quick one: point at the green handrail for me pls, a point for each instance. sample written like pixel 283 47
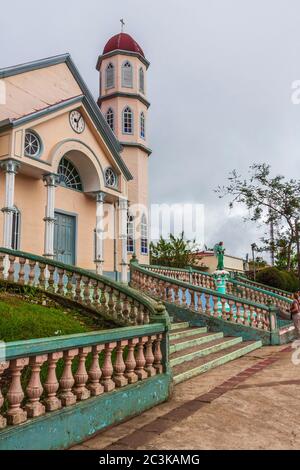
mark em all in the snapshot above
pixel 202 290
pixel 31 347
pixel 154 311
pixel 235 282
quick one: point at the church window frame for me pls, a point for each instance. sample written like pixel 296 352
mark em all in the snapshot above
pixel 32 144
pixel 141 80
pixel 130 233
pixel 144 235
pixel 110 76
pixel 110 118
pixel 110 177
pixel 127 74
pixel 127 120
pixel 142 125
pixel 69 176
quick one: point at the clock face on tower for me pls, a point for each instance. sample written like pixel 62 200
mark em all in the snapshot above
pixel 77 121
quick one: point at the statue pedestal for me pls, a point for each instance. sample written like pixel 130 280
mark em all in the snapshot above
pixel 220 278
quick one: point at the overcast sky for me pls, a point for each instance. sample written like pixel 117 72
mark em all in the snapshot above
pixel 219 85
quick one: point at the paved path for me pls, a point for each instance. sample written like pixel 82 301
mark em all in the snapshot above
pixel 250 403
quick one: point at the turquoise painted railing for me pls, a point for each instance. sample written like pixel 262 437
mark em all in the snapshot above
pixel 259 294
pixel 57 391
pixel 243 290
pixel 200 299
pixel 110 299
pixel 274 290
pixel 187 275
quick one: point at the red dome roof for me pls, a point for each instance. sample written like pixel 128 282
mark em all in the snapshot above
pixel 124 42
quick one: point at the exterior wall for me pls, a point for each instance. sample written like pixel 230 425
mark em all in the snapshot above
pixel 117 61
pixel 91 157
pixel 30 199
pixel 54 131
pixel 231 263
pixel 135 159
pixel 118 104
pixel 31 91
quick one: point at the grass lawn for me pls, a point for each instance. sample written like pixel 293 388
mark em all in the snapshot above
pixel 21 319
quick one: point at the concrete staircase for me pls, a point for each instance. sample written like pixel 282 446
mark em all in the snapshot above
pixel 193 350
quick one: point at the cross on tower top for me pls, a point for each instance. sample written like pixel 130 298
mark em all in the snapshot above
pixel 122 24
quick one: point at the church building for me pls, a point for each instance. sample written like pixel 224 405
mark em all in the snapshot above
pixel 74 172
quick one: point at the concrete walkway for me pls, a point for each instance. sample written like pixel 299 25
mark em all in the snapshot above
pixel 250 403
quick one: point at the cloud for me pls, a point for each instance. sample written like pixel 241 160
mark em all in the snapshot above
pixel 219 83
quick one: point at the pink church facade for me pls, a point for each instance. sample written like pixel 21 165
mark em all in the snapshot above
pixel 73 171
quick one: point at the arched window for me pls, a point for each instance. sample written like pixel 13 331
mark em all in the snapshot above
pixel 142 124
pixel 110 76
pixel 15 230
pixel 68 175
pixel 110 118
pixel 130 233
pixel 127 74
pixel 127 121
pixel 142 80
pixel 144 235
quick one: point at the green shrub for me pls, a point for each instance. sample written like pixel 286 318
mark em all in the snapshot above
pixel 274 277
pixel 292 282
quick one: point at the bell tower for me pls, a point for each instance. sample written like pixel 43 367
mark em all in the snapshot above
pixel 123 101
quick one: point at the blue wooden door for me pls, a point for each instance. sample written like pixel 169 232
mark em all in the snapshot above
pixel 64 238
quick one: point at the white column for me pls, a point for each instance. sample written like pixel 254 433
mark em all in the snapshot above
pixel 100 197
pixel 51 181
pixel 123 208
pixel 10 167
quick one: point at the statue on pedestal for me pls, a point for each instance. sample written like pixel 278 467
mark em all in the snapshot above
pixel 219 251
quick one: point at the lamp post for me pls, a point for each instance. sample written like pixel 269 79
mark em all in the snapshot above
pixel 253 248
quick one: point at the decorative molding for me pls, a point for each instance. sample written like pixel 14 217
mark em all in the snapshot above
pixel 137 145
pixel 9 124
pixel 51 179
pixel 100 196
pixel 10 166
pixel 8 209
pixel 121 52
pixel 123 94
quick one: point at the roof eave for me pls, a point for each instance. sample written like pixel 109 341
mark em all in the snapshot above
pixel 33 65
pixel 121 52
pixel 87 98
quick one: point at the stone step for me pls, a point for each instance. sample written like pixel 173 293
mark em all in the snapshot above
pixel 186 371
pixel 203 350
pixel 176 326
pixel 185 332
pixel 196 340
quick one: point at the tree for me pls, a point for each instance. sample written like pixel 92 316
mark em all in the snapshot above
pixel 268 199
pixel 175 252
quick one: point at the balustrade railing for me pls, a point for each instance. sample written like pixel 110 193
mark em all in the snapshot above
pixel 274 290
pixel 243 289
pixel 110 299
pixel 258 294
pixel 200 299
pixel 192 276
pixel 44 375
